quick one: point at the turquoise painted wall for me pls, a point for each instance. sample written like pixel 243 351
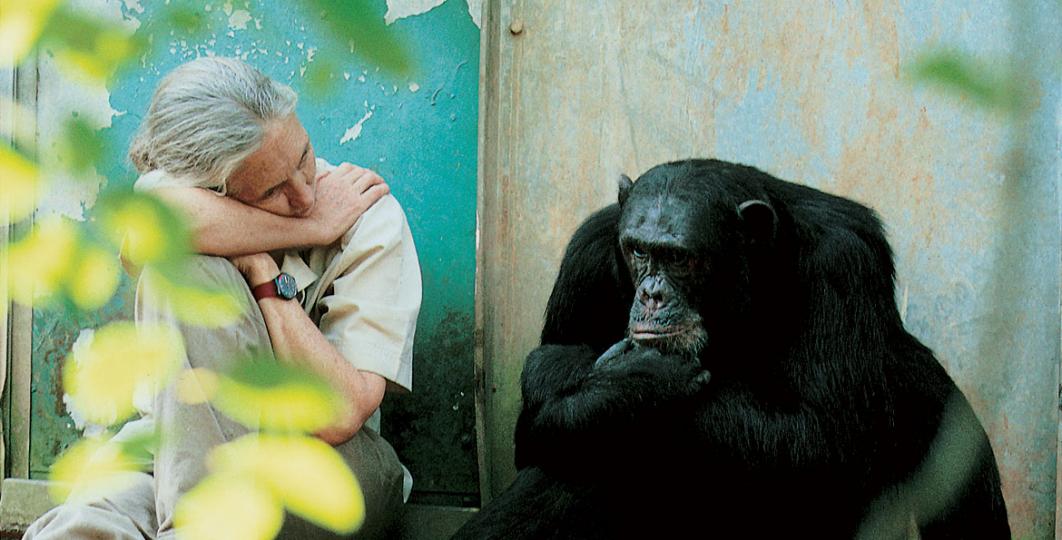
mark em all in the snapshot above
pixel 418 131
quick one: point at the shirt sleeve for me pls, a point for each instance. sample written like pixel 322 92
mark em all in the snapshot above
pixel 370 315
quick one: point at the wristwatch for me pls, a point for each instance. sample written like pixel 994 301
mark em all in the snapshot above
pixel 282 286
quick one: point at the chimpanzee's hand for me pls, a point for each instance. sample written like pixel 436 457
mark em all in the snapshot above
pixel 614 352
pixel 700 380
pixel 684 375
pixel 681 374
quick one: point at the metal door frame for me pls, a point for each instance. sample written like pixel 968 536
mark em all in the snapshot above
pixel 17 85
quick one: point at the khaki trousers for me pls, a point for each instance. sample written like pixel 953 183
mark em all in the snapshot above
pixel 145 510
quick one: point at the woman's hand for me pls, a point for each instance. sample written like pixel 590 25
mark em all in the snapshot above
pixel 257 268
pixel 343 195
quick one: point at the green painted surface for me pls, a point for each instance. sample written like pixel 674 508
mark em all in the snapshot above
pixel 52 430
pixel 418 132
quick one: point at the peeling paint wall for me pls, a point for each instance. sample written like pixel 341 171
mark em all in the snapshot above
pixel 579 92
pixel 400 9
pixel 63 96
pixel 418 132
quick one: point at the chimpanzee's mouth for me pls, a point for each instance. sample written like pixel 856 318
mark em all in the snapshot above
pixel 651 332
pixel 686 338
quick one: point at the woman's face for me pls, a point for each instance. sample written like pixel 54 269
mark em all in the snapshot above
pixel 281 176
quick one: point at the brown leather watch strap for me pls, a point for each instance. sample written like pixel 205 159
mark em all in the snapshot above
pixel 265 290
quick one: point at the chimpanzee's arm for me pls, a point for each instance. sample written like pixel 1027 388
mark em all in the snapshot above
pixel 592 296
pixel 549 371
pixel 586 313
pixel 578 405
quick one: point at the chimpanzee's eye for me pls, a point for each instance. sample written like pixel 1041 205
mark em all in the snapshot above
pixel 637 253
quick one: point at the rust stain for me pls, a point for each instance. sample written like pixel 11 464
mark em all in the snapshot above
pixel 57 388
pixel 880 18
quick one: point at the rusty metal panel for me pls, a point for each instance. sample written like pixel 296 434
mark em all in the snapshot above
pixel 813 92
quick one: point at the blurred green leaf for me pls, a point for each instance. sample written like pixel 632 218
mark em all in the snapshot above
pixel 18 126
pixel 277 396
pixel 19 183
pixel 359 22
pixel 228 507
pixel 142 447
pixel 39 263
pixel 305 473
pixel 948 467
pixel 103 373
pixel 93 46
pixel 187 18
pixel 196 385
pixel 321 77
pixel 93 467
pixel 193 303
pixel 95 279
pixel 21 24
pixel 59 263
pixel 173 20
pixel 963 75
pixel 146 230
pixel 81 146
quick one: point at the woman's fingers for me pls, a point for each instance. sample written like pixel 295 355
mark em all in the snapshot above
pixel 343 195
pixel 363 187
pixel 366 180
pixel 375 192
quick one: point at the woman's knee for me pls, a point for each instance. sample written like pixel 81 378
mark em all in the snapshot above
pixel 208 342
pixel 121 515
pixel 380 475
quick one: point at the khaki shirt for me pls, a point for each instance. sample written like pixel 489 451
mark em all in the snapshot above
pixel 364 291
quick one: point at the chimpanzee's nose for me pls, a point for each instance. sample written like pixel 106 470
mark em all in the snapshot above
pixel 651 293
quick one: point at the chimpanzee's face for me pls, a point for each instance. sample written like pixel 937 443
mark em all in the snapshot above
pixel 663 250
pixel 685 236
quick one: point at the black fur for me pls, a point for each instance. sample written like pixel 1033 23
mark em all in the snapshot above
pixel 822 417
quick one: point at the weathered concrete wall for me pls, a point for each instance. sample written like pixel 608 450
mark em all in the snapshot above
pixel 814 92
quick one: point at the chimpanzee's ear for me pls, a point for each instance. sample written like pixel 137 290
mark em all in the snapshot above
pixel 760 221
pixel 625 185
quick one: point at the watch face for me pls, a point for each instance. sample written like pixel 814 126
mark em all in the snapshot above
pixel 286 287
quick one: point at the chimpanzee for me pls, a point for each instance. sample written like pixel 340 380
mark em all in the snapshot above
pixel 722 356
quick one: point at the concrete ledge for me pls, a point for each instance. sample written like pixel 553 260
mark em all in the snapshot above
pixel 21 502
pixel 423 522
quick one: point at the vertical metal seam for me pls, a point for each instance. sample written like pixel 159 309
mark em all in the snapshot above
pixel 493 287
pixel 486 71
pixel 20 336
pixel 6 134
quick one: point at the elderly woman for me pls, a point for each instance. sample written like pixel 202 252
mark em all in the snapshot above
pixel 326 263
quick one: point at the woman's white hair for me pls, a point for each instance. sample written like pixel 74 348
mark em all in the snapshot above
pixel 205 118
